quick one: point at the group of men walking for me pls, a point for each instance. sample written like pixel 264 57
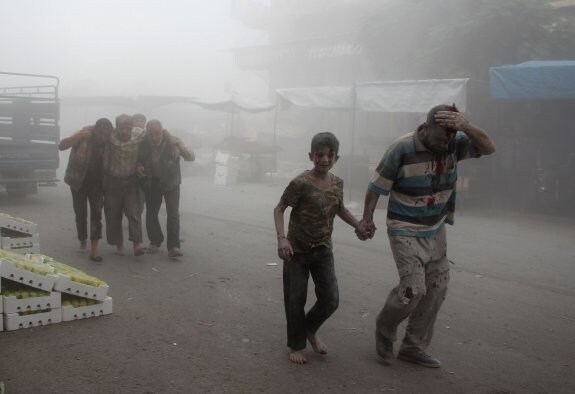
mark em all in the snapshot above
pixel 121 167
pixel 122 170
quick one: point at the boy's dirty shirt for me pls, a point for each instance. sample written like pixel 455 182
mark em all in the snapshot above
pixel 313 211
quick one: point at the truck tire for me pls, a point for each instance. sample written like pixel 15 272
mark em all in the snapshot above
pixel 21 189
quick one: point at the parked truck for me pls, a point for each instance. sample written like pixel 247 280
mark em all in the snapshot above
pixel 29 132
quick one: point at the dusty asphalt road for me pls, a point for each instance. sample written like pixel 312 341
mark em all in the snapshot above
pixel 214 322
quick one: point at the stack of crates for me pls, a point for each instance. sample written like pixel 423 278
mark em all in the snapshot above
pixel 36 290
pixel 18 235
pixel 28 299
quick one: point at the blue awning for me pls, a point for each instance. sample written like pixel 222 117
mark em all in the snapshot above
pixel 534 80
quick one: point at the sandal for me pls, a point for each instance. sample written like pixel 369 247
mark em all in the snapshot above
pixel 97 259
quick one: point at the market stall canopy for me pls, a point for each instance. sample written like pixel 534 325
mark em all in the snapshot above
pixel 234 104
pixel 382 96
pixel 542 80
pixel 126 101
pixel 411 96
pixel 328 97
pixel 231 103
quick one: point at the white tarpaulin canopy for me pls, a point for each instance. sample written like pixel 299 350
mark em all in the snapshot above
pixel 382 96
pixel 329 97
pixel 410 96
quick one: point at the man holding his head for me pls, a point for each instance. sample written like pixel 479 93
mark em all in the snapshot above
pixel 159 163
pixel 419 173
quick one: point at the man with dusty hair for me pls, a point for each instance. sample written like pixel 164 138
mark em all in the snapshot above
pixel 121 185
pixel 139 120
pixel 84 176
pixel 159 163
pixel 419 173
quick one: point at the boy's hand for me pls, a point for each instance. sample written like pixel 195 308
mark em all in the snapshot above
pixel 140 170
pixel 285 250
pixel 365 230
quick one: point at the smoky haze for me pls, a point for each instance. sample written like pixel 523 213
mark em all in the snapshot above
pixel 123 47
pixel 211 48
pixel 212 319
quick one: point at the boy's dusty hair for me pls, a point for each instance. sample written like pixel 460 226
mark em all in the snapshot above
pixel 324 139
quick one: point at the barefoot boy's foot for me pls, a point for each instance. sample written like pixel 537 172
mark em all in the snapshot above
pixel 82 248
pixel 316 343
pixel 120 250
pixel 297 357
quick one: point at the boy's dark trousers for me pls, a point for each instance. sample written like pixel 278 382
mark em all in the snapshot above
pixel 91 192
pixel 154 196
pixel 319 263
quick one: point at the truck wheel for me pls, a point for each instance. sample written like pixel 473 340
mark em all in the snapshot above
pixel 22 189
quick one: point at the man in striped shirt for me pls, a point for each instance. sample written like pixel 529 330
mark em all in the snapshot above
pixel 419 173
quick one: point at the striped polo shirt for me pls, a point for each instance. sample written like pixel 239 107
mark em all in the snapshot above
pixel 420 184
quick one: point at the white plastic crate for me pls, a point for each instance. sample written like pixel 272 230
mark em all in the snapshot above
pixel 11 243
pixel 29 278
pixel 15 321
pixel 67 285
pixel 18 224
pixel 34 248
pixel 102 308
pixel 14 305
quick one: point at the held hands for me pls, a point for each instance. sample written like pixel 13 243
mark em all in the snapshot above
pixel 285 250
pixel 365 230
pixel 140 170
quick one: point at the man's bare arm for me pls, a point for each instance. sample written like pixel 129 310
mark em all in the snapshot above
pixel 478 137
pixel 70 141
pixel 369 205
pixel 366 225
pixel 186 153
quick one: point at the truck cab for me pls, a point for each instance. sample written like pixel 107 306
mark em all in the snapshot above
pixel 29 132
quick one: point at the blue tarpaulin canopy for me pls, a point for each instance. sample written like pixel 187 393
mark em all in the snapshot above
pixel 534 80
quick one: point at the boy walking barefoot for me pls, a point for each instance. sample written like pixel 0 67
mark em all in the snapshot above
pixel 316 197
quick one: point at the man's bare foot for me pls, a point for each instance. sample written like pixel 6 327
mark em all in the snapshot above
pixel 316 343
pixel 82 248
pixel 94 249
pixel 297 357
pixel 138 251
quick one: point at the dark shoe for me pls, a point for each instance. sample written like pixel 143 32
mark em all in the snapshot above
pixel 97 259
pixel 384 348
pixel 419 357
pixel 175 252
